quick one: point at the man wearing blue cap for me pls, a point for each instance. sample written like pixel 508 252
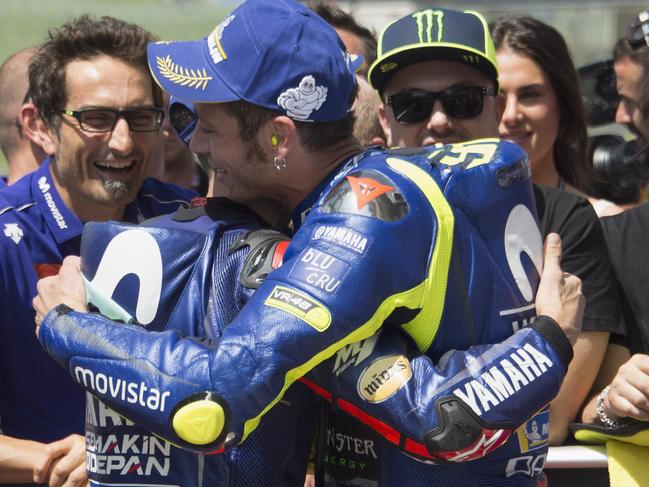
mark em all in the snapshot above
pixel 273 83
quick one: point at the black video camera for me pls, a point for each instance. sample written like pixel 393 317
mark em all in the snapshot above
pixel 622 168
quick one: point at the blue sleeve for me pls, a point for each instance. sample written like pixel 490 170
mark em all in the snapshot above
pixel 349 270
pixel 458 408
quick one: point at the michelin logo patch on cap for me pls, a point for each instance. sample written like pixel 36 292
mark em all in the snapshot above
pixel 300 102
pixel 275 54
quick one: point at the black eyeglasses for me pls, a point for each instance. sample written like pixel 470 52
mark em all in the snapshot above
pixel 461 101
pixel 105 119
pixel 638 32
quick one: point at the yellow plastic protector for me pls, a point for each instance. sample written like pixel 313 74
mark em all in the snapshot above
pixel 200 422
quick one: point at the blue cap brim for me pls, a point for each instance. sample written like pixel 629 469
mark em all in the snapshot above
pixel 356 62
pixel 184 70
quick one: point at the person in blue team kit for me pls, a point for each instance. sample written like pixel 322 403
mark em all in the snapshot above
pixel 436 73
pixel 340 281
pixel 101 114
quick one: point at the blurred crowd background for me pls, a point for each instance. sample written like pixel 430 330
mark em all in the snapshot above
pixel 590 27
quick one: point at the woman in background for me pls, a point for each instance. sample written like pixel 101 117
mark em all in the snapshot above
pixel 545 116
pixel 544 113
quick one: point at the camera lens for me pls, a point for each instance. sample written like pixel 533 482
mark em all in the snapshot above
pixel 606 152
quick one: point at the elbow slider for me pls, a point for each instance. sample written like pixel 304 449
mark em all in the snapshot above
pixel 201 420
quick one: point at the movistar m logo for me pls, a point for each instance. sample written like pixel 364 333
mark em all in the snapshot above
pixel 132 252
pixel 45 188
pixel 426 21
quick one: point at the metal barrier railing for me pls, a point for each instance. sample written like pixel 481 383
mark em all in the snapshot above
pixel 577 456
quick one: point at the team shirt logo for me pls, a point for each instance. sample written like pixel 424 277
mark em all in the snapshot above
pixel 14 232
pixel 522 236
pixel 130 252
pixel 504 380
pixel 300 102
pixel 44 186
pixel 354 354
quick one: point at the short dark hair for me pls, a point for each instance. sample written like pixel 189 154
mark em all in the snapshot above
pixel 83 38
pixel 640 56
pixel 339 19
pixel 315 136
pixel 547 48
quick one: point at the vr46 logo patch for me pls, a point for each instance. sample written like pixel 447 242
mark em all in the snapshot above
pixel 300 305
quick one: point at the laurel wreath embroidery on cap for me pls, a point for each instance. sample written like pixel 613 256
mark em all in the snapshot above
pixel 182 76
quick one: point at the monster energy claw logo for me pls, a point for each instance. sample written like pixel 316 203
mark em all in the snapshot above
pixel 426 21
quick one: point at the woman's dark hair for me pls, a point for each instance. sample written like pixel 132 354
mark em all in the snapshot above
pixel 547 48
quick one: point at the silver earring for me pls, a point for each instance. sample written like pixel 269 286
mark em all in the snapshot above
pixel 279 164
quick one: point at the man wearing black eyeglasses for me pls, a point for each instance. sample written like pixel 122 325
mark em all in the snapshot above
pixel 101 113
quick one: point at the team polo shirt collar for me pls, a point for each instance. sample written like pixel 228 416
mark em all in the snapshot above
pixel 63 224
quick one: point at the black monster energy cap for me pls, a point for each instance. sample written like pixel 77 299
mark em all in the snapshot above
pixel 434 34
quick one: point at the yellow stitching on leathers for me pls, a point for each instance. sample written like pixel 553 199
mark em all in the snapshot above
pixel 409 299
pixel 424 327
pixel 182 76
pixel 429 295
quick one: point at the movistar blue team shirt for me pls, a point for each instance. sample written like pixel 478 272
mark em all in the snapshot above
pixel 3 182
pixel 38 399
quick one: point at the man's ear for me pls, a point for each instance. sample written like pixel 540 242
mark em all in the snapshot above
pixel 385 125
pixel 36 130
pixel 280 136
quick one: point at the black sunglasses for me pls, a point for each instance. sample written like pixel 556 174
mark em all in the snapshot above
pixel 638 32
pixel 461 101
pixel 105 119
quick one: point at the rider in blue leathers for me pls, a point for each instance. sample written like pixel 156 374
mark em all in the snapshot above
pixel 191 272
pixel 411 241
pixel 462 404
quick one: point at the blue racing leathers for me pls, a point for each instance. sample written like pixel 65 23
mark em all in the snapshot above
pixel 377 248
pixel 443 405
pixel 191 272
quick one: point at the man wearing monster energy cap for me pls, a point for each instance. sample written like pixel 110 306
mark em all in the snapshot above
pixel 436 73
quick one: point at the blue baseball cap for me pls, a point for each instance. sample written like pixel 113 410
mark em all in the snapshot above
pixel 275 54
pixel 183 118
